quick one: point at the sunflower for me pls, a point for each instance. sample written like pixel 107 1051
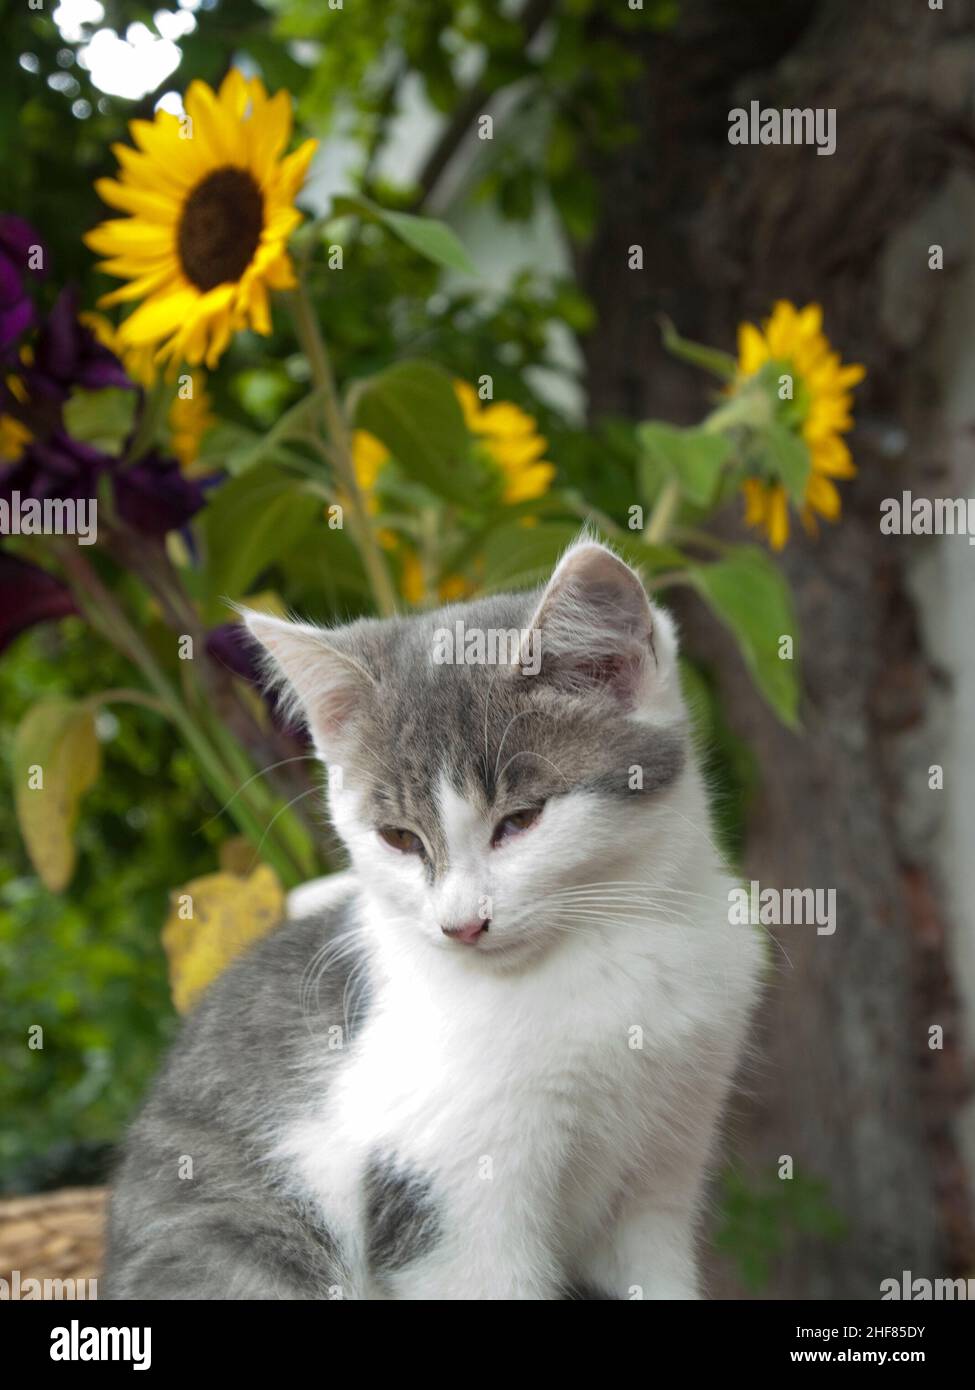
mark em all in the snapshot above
pixel 792 339
pixel 189 419
pixel 510 438
pixel 368 456
pixel 211 207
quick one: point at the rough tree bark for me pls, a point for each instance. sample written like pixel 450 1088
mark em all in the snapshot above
pixel 845 1081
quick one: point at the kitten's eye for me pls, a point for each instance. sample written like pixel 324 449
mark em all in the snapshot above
pixel 515 824
pixel 403 840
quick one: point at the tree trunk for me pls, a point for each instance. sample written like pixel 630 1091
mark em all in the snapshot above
pixel 844 1081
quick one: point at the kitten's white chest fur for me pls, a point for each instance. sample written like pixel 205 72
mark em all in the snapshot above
pixel 562 1116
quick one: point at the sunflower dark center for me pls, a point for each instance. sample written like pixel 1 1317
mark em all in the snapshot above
pixel 220 228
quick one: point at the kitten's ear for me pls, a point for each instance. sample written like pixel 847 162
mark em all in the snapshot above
pixel 598 631
pixel 324 684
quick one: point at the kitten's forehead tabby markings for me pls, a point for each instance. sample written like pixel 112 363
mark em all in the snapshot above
pixel 467 782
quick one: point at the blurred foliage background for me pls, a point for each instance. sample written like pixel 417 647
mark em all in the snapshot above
pixel 87 966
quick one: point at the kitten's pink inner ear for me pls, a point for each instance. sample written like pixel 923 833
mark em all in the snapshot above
pixel 326 684
pixel 334 707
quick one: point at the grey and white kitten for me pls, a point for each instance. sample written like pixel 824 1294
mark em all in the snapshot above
pixel 493 1066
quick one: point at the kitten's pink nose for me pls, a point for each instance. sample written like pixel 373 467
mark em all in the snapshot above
pixel 466 931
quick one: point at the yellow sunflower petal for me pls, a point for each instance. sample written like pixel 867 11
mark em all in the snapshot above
pixel 157 207
pixel 280 274
pixel 505 418
pixel 512 454
pixel 756 505
pixel 127 235
pixel 412 584
pixel 778 517
pixel 823 497
pixel 158 317
pixel 166 152
pixel 469 402
pixel 810 321
pixel 234 94
pixel 295 166
pixel 270 130
pixel 528 484
pixel 260 311
pixel 215 132
pixel 851 374
pixel 752 349
pixel 780 331
pixel 137 288
pixel 368 456
pixel 832 458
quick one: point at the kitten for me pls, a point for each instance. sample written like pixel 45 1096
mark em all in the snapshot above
pixel 494 1066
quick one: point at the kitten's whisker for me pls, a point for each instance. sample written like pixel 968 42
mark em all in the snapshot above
pixel 311 791
pixel 697 829
pixel 636 885
pixel 654 894
pixel 299 758
pixel 321 962
pixel 517 715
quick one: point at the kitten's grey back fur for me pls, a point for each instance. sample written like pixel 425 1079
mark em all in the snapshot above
pixel 229 1227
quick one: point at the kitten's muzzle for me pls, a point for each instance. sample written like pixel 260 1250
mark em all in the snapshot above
pixel 468 932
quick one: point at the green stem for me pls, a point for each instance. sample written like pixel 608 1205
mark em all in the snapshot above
pixel 313 346
pixel 157 399
pixel 288 825
pixel 108 617
pixel 665 508
pixel 743 408
pixel 689 535
pixel 157 572
pixel 582 509
pixel 127 697
pixel 668 579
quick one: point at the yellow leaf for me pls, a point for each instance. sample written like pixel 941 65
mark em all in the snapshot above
pixel 56 759
pixel 211 921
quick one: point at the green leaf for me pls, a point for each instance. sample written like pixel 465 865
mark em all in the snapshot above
pixel 720 364
pixel 694 457
pixel 788 457
pixel 238 449
pixel 56 758
pixel 518 556
pixel 251 521
pixel 413 409
pixel 649 559
pixel 235 448
pixel 432 238
pixel 103 419
pixel 751 597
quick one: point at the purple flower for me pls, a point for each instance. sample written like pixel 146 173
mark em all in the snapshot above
pixel 28 595
pixel 16 309
pixel 232 646
pixel 67 354
pixel 57 466
pixel 154 497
